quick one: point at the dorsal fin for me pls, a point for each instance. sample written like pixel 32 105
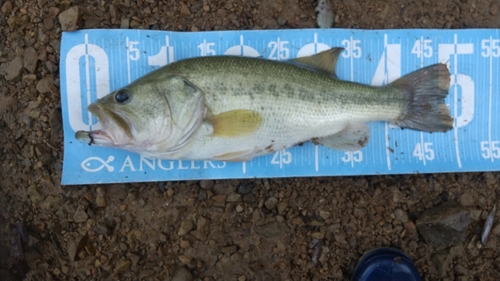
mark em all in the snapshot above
pixel 325 61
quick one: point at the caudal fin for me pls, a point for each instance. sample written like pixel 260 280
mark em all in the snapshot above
pixel 426 90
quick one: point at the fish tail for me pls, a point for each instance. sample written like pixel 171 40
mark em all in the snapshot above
pixel 426 89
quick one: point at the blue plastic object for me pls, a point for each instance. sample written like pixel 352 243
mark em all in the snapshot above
pixel 387 264
pixel 96 62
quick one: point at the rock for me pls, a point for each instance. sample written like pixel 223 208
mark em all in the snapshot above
pixel 34 194
pixel 489 178
pixel 442 262
pixel 80 215
pixel 100 199
pixel 282 206
pixel 496 230
pixel 444 225
pixel 466 199
pixel 12 69
pixel 233 197
pixel 30 59
pixel 186 226
pixel 245 188
pixel 44 85
pixel 229 249
pixel 494 9
pixel 182 274
pixel 249 198
pixel 123 265
pixel 7 7
pixel 206 184
pixel 401 215
pixel 202 195
pixel 271 202
pixel 272 229
pixel 184 244
pixel 460 270
pixel 53 12
pixel 69 18
pixel 185 10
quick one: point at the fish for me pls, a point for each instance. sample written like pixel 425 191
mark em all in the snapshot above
pixel 233 108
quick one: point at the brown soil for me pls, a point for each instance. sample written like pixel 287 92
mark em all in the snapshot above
pixel 212 230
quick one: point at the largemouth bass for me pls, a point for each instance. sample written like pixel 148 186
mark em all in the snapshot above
pixel 236 108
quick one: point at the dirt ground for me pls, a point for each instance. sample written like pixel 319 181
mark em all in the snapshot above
pixel 264 229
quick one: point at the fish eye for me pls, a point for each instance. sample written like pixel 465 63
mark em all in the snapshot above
pixel 122 96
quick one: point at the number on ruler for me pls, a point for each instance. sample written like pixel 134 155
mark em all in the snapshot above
pixel 423 48
pixel 207 49
pixel 352 48
pixel 279 50
pixel 490 47
pixel 490 149
pixel 352 156
pixel 424 150
pixel 281 157
pixel 133 52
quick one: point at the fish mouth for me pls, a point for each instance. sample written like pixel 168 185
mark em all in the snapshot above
pixel 115 129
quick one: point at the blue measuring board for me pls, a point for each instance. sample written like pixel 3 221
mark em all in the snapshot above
pixel 96 62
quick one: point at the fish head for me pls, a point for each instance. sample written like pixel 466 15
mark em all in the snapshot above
pixel 150 116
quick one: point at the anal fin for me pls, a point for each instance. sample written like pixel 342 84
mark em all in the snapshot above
pixel 353 137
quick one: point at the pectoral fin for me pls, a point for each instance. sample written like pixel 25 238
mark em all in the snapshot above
pixel 353 137
pixel 325 61
pixel 235 123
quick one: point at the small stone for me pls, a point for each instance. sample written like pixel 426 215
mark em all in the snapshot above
pixel 229 249
pixel 239 208
pixel 282 206
pixel 202 195
pixel 323 214
pixel 494 9
pixel 186 226
pixel 182 274
pixel 271 202
pixel 400 215
pixel 490 179
pixel 184 244
pixel 125 23
pixel 242 278
pixel 317 235
pixel 34 194
pixel 12 69
pixel 30 59
pixel 249 198
pixel 410 229
pixel 185 10
pixel 496 230
pixel 441 262
pixel 53 12
pixel 219 198
pixel 272 229
pixel 7 7
pixel 44 85
pixel 460 270
pixel 233 197
pixel 206 184
pixel 123 265
pixel 466 199
pixel 69 19
pixel 245 188
pixel 444 225
pixel 475 214
pixel 80 215
pixel 100 201
pixel 185 259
